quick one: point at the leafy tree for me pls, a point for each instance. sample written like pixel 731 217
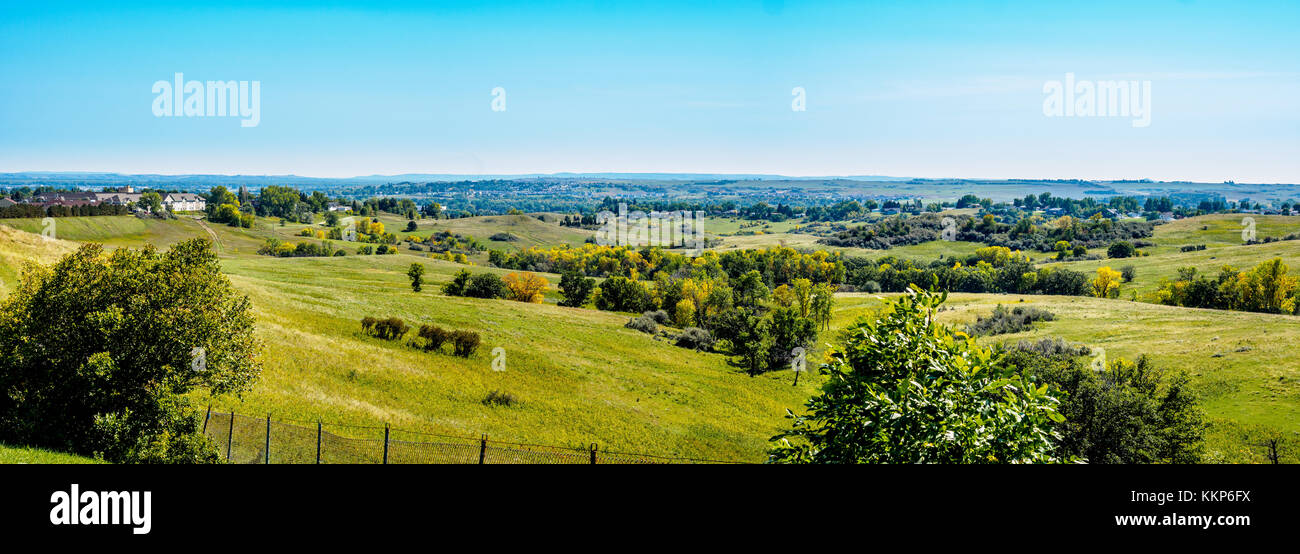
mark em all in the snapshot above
pixel 1128 413
pixel 152 202
pixel 751 341
pixel 823 300
pixel 458 284
pixel 1106 284
pixel 575 289
pixel 905 389
pixel 485 285
pixel 1062 249
pixel 98 352
pixel 525 287
pixel 750 289
pixel 803 289
pixel 789 331
pixel 1121 249
pixel 620 294
pixel 416 273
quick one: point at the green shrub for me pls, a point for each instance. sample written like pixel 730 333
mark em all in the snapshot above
pixel 392 328
pixel 464 343
pixel 434 337
pixel 643 323
pixel 500 398
pixel 1004 321
pixel 695 339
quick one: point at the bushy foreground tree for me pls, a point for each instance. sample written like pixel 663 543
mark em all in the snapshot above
pixel 1124 413
pixel 905 389
pixel 98 351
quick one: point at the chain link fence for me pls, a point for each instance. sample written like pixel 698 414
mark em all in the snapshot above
pixel 245 439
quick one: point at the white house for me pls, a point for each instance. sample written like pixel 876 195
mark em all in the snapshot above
pixel 184 202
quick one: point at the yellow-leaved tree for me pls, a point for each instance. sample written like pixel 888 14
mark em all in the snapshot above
pixel 1106 285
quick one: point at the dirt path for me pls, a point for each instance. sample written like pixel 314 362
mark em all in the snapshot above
pixel 220 247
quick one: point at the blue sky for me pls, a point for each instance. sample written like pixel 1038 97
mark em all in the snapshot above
pixel 928 89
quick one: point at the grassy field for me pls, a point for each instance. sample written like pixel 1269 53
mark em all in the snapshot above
pixel 1244 365
pixel 25 455
pixel 581 377
pixel 586 380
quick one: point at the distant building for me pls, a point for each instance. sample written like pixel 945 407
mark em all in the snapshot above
pixel 118 198
pixel 184 202
pixel 336 207
pixel 5 203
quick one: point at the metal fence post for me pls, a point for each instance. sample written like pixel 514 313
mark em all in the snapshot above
pixel 385 443
pixel 268 437
pixel 593 453
pixel 206 418
pixel 230 436
pixel 318 434
pixel 482 449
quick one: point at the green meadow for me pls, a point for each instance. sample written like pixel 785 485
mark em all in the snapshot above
pixel 580 377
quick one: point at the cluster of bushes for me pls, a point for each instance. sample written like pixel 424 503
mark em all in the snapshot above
pixel 648 322
pixel 1028 233
pixel 282 249
pixel 392 328
pixel 1018 276
pixel 1270 240
pixel 381 249
pixel 520 286
pixel 1266 288
pixel 777 266
pixel 694 338
pixel 761 327
pixel 229 214
pixel 1192 248
pixel 429 338
pixel 1052 347
pixel 447 241
pixel 1005 321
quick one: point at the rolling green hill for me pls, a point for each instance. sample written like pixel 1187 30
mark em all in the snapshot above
pixel 1221 236
pixel 581 377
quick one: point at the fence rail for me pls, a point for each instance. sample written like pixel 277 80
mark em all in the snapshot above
pixel 246 439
